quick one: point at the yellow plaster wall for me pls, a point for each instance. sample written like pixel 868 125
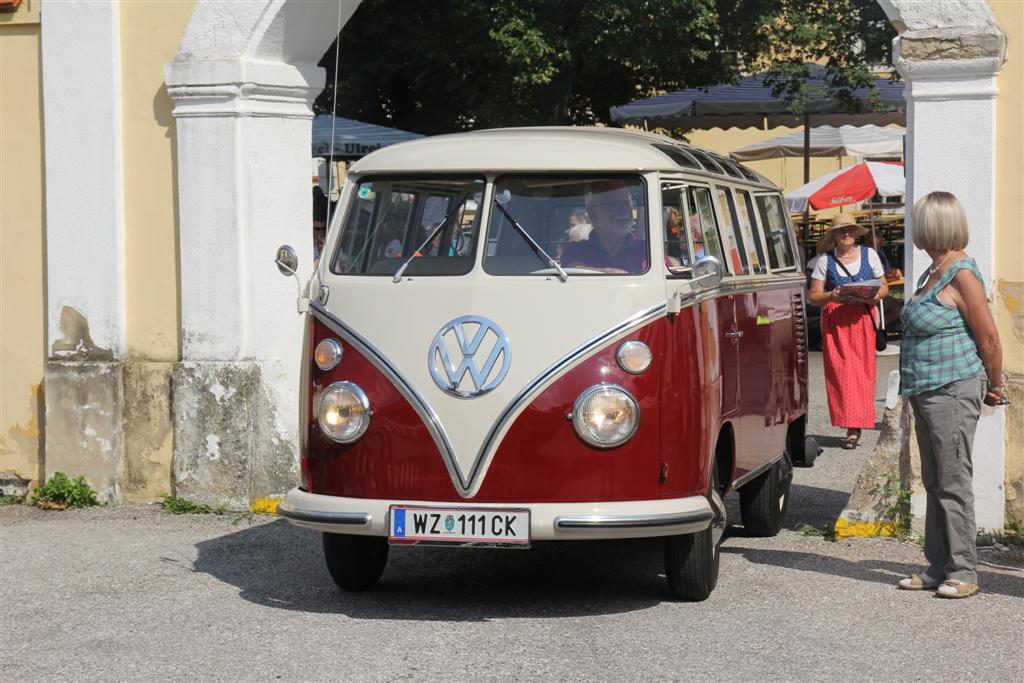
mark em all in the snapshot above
pixel 22 244
pixel 1009 264
pixel 150 35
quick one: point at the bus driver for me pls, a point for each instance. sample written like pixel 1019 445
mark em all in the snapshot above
pixel 611 247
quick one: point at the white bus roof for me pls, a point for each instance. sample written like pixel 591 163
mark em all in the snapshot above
pixel 554 149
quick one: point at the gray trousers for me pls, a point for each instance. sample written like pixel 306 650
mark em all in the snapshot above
pixel 945 422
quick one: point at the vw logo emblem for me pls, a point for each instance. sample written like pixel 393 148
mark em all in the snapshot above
pixel 469 356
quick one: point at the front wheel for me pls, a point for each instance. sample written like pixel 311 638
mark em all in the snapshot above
pixel 691 560
pixel 355 562
pixel 764 501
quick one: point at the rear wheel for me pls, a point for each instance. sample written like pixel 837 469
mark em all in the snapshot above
pixel 764 501
pixel 691 560
pixel 355 562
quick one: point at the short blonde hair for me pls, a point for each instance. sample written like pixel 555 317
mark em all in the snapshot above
pixel 939 222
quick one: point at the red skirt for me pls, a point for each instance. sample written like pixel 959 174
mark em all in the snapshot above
pixel 848 345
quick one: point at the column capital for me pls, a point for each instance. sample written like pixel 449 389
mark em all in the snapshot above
pixel 242 88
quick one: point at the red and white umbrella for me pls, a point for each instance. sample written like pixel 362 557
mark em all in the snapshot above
pixel 849 185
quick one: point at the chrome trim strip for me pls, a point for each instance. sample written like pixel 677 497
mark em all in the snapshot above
pixel 756 472
pixel 545 378
pixel 418 403
pixel 744 284
pixel 346 519
pixel 632 521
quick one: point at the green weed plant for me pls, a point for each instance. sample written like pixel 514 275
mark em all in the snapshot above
pixel 183 506
pixel 60 492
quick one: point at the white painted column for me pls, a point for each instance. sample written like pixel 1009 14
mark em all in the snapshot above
pixel 84 179
pixel 951 120
pixel 244 130
pixel 86 335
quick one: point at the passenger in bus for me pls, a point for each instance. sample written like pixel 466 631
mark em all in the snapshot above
pixel 698 238
pixel 579 226
pixel 612 247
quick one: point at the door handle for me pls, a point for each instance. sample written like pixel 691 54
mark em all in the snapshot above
pixel 734 334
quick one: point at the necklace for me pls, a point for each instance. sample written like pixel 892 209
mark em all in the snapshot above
pixel 935 269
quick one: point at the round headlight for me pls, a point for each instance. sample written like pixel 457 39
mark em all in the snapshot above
pixel 327 354
pixel 605 416
pixel 634 357
pixel 343 412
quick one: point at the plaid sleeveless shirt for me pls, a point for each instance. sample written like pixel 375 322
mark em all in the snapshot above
pixel 937 346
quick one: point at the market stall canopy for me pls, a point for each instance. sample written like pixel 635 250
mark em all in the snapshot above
pixel 849 185
pixel 749 103
pixel 828 141
pixel 353 139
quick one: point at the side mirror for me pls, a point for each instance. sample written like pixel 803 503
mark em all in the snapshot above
pixel 287 261
pixel 707 271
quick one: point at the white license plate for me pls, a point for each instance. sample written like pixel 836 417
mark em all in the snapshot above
pixel 459 526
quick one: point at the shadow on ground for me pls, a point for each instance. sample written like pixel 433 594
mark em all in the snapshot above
pixel 278 565
pixel 815 506
pixel 875 571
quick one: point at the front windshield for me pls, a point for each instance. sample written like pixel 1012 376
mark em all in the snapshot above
pixel 590 226
pixel 390 220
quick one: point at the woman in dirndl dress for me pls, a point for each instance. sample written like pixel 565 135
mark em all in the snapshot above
pixel 848 327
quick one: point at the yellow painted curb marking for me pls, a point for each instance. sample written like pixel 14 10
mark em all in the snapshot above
pixel 847 529
pixel 264 506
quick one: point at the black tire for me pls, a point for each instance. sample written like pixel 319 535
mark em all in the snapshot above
pixel 355 562
pixel 765 500
pixel 692 560
pixel 810 452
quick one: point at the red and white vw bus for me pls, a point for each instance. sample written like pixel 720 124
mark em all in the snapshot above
pixel 537 334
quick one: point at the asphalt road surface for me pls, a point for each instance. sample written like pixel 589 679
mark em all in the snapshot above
pixel 133 593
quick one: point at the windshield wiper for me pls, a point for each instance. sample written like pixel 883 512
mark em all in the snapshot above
pixel 444 221
pixel 537 249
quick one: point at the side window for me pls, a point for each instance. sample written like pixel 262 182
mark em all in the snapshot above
pixel 737 255
pixel 677 248
pixel 701 224
pixel 390 220
pixel 745 208
pixel 776 232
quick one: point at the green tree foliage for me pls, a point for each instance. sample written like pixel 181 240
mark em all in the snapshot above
pixel 846 36
pixel 438 67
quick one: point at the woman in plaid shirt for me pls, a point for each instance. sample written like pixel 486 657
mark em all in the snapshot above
pixel 950 362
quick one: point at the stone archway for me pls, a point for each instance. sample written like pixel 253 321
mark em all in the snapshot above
pixel 243 83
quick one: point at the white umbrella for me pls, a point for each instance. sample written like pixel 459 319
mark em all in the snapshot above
pixel 828 141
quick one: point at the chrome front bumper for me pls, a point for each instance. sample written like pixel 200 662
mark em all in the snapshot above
pixel 548 521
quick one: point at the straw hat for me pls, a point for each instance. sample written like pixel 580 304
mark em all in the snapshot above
pixel 842 220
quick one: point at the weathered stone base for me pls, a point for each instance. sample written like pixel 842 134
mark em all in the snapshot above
pixel 84 424
pixel 232 443
pixel 148 432
pixel 866 513
pixel 1015 451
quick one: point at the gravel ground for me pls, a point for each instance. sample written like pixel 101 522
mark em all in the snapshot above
pixel 133 593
